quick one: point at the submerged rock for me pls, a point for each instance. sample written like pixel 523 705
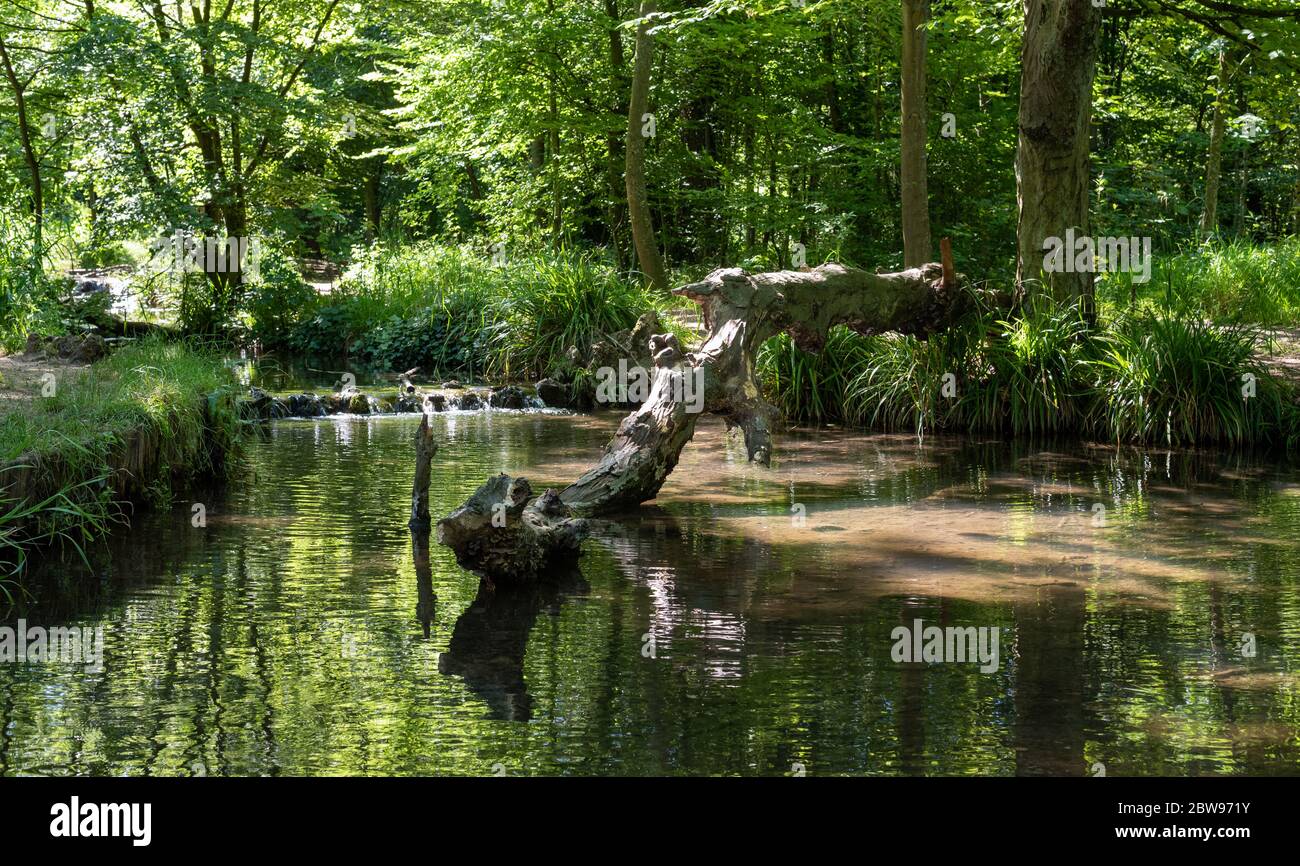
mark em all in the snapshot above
pixel 408 403
pixel 553 393
pixel 308 406
pixel 261 406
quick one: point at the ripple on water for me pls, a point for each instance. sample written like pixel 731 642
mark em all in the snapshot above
pixel 740 624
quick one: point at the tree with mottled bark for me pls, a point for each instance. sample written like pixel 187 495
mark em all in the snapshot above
pixel 915 198
pixel 1058 59
pixel 638 206
pixel 1209 217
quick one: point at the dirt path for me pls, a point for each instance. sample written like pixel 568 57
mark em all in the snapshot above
pixel 22 377
pixel 1284 359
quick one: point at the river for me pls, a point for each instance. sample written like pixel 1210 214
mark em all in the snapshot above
pixel 1147 606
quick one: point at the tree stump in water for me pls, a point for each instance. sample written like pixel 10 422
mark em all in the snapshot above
pixel 425 449
pixel 502 531
pixel 741 311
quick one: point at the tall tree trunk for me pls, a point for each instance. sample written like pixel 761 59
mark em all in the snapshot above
pixel 613 142
pixel 374 210
pixel 29 150
pixel 1209 219
pixel 1057 61
pixel 833 108
pixel 915 198
pixel 638 207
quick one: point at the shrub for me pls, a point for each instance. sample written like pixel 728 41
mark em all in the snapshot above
pixel 1158 377
pixel 277 298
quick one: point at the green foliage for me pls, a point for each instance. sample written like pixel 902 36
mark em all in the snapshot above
pixel 1233 280
pixel 278 298
pixel 179 395
pixel 1177 380
pixel 1163 378
pixel 450 310
pixel 27 297
pixel 809 387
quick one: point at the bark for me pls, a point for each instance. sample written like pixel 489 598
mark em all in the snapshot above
pixel 1058 59
pixel 915 198
pixel 1209 218
pixel 741 311
pixel 613 141
pixel 29 148
pixel 502 531
pixel 638 207
pixel 425 449
pixel 426 604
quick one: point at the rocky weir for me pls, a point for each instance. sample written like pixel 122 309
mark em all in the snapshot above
pixel 260 405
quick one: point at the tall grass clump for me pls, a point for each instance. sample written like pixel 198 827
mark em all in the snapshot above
pixel 552 303
pixel 452 310
pixel 1159 377
pixel 1027 379
pixel 152 412
pixel 809 387
pixel 1177 380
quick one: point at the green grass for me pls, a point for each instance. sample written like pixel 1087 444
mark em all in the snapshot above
pixel 450 310
pixel 1226 281
pixel 1153 376
pixel 1178 380
pixel 180 395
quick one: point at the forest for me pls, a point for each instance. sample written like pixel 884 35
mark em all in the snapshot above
pixel 1034 262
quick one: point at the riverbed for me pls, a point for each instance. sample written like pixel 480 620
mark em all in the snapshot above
pixel 1147 604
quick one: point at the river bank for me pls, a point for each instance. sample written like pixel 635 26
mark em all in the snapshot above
pixel 80 445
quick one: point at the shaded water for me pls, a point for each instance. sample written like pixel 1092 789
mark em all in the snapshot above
pixel 291 635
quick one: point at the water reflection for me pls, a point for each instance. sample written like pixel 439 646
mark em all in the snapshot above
pixel 490 638
pixel 303 631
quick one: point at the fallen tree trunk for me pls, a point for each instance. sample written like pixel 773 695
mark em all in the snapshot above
pixel 741 311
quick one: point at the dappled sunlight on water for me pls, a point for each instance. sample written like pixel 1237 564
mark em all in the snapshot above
pixel 739 624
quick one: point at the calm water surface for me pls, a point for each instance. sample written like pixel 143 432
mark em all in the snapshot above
pixel 292 635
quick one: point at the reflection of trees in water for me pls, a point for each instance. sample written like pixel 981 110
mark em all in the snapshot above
pixel 1127 679
pixel 1049 683
pixel 490 638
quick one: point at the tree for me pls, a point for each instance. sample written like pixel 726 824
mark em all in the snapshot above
pixel 30 157
pixel 643 234
pixel 1057 62
pixel 915 198
pixel 1209 221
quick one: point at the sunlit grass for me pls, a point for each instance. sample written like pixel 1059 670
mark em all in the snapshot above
pixel 179 395
pixel 1226 281
pixel 1155 376
pixel 452 310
